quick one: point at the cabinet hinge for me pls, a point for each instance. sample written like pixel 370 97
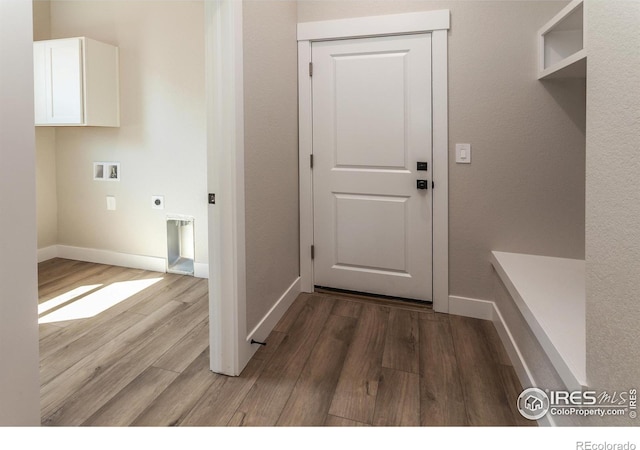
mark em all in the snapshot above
pixel 311 161
pixel 310 69
pixel 313 251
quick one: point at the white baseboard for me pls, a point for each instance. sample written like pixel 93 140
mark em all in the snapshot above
pixel 200 270
pixel 471 307
pixel 152 263
pixel 47 253
pixel 519 364
pixel 264 327
pixel 517 360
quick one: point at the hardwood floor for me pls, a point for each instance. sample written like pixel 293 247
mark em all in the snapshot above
pixel 332 360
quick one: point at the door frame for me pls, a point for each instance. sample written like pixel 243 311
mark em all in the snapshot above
pixel 435 22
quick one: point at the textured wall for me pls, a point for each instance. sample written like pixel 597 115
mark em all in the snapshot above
pixel 524 190
pixel 19 382
pixel 271 153
pixel 613 196
pixel 161 141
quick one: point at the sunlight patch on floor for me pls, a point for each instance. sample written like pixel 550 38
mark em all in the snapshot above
pixel 64 298
pixel 99 301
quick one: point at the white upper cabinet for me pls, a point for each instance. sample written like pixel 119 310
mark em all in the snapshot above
pixel 76 83
pixel 561 50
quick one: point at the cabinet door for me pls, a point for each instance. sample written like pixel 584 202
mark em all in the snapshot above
pixel 64 90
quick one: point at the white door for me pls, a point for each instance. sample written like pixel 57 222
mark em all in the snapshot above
pixel 371 127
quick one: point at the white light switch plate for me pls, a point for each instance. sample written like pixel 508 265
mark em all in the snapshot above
pixel 463 153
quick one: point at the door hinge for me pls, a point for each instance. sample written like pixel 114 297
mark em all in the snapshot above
pixel 313 251
pixel 310 69
pixel 311 161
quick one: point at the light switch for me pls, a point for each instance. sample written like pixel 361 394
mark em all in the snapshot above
pixel 111 203
pixel 463 153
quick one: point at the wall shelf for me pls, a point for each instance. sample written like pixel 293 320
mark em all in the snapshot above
pixel 550 294
pixel 561 50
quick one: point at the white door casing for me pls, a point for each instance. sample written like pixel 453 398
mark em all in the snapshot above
pixel 229 349
pixel 371 126
pixel 434 22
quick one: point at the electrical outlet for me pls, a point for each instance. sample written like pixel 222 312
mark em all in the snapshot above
pixel 157 202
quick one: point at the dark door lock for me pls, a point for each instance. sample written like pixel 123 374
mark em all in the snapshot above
pixel 422 184
pixel 422 166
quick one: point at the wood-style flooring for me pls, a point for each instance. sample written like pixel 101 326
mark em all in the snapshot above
pixel 333 360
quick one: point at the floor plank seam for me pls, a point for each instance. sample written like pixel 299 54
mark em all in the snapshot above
pixel 462 387
pixel 346 418
pixel 383 338
pixel 165 369
pixel 375 406
pixel 400 370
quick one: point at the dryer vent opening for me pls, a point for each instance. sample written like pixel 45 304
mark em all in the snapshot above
pixel 180 246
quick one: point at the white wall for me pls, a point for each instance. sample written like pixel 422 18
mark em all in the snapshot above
pixel 161 142
pixel 46 186
pixel 46 175
pixel 271 153
pixel 524 190
pixel 19 381
pixel 613 197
